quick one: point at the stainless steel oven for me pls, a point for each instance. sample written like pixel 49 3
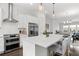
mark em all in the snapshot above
pixel 11 42
pixel 32 29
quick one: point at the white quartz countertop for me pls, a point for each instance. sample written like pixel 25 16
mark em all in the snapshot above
pixel 44 41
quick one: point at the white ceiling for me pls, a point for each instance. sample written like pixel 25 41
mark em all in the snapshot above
pixel 63 11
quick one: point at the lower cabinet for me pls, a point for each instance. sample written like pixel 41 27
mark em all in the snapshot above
pixel 50 51
pixel 1 44
pixel 40 51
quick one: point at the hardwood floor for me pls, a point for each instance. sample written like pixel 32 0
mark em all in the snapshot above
pixel 17 52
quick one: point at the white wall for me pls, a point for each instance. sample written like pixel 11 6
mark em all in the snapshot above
pixel 7 28
pixel 49 21
pixel 18 10
pixel 28 9
pixel 53 24
pixel 25 19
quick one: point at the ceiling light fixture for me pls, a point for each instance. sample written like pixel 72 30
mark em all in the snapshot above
pixel 53 9
pixel 40 7
pixel 68 19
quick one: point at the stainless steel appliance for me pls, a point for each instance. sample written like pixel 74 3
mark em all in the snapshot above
pixel 32 29
pixel 10 14
pixel 11 42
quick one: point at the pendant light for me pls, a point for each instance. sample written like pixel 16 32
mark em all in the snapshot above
pixel 53 17
pixel 53 9
pixel 40 7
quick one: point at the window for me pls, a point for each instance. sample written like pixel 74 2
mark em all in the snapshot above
pixel 73 27
pixel 65 27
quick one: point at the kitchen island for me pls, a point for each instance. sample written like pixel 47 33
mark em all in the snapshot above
pixel 38 45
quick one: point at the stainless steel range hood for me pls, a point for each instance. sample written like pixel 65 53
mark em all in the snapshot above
pixel 10 14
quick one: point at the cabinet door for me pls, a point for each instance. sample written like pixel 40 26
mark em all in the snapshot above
pixel 21 42
pixel 0 18
pixel 1 45
pixel 22 38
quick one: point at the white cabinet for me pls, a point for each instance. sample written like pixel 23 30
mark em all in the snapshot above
pixel 22 21
pixel 21 41
pixel 22 38
pixel 0 18
pixel 65 44
pixel 1 44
